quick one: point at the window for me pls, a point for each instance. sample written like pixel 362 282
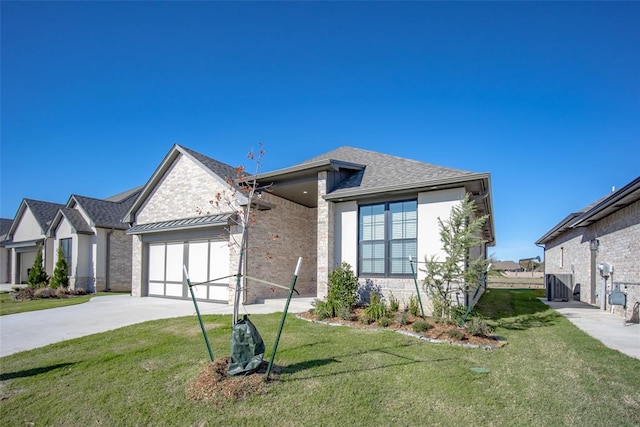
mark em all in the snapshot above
pixel 387 237
pixel 65 244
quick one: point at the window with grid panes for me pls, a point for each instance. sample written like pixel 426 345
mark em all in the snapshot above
pixel 387 238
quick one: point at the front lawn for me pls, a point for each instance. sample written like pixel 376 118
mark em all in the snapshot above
pixel 9 306
pixel 550 373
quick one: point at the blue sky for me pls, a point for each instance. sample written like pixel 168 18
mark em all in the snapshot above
pixel 545 96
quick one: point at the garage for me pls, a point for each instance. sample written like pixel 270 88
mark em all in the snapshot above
pixel 206 260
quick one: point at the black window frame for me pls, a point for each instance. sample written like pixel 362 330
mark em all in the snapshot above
pixel 387 239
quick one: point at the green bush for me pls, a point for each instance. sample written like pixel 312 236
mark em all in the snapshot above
pixel 377 308
pixel 414 305
pixel 60 276
pixel 37 276
pixel 394 305
pixel 478 327
pixel 403 318
pixel 343 288
pixel 365 319
pixel 421 326
pixel 455 334
pixel 322 310
pixel 45 292
pixel 385 322
pixel 344 313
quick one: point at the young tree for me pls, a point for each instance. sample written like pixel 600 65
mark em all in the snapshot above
pixel 61 272
pixel 37 276
pixel 458 270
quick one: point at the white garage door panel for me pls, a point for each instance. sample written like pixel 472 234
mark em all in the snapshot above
pixel 156 288
pixel 174 262
pixel 206 261
pixel 174 290
pixel 198 254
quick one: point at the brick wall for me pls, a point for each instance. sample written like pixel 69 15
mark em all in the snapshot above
pixel 619 237
pixel 276 240
pixel 120 261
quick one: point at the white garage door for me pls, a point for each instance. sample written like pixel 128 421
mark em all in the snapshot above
pixel 205 261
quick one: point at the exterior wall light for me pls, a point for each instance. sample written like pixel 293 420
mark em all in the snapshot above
pixel 594 244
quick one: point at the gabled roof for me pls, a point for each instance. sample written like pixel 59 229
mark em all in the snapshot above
pixel 128 194
pixel 74 217
pixel 597 210
pixel 383 172
pixel 103 213
pixel 5 226
pixel 44 212
pixel 220 171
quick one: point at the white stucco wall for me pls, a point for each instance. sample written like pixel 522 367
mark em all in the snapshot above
pixel 27 228
pixel 346 234
pixel 431 206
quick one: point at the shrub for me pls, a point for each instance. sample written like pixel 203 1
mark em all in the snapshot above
pixel 455 334
pixel 478 327
pixel 394 305
pixel 421 326
pixel 403 318
pixel 385 322
pixel 322 310
pixel 414 305
pixel 365 319
pixel 23 294
pixel 344 313
pixel 377 309
pixel 45 292
pixel 60 276
pixel 343 288
pixel 37 276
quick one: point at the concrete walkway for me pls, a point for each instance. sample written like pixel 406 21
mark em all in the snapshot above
pixel 26 331
pixel 601 325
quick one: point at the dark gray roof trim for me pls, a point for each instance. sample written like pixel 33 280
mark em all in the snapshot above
pixel 103 213
pixel 606 206
pixel 182 224
pixel 308 168
pixel 121 197
pixel 222 171
pixel 617 200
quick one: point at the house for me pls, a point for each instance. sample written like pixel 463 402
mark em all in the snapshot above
pixel 507 266
pixel 27 234
pixel 90 233
pixel 371 210
pixel 5 258
pixel 94 241
pixel 605 232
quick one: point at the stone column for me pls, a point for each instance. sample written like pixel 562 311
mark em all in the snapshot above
pixel 324 237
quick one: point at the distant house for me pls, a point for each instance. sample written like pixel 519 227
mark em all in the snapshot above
pixel 90 233
pixel 5 254
pixel 607 231
pixel 27 234
pixel 371 210
pixel 94 242
pixel 507 266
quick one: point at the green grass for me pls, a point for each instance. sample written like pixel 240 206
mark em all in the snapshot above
pixel 550 373
pixel 8 306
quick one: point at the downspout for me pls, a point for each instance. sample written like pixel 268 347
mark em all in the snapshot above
pixel 108 261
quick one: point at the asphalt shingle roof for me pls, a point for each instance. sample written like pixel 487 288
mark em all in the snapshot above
pixel 104 213
pixel 384 170
pixel 77 221
pixel 221 169
pixel 44 212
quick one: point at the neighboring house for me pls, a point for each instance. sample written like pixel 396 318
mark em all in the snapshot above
pixel 607 231
pixel 27 234
pixel 94 242
pixel 371 210
pixel 5 254
pixel 507 266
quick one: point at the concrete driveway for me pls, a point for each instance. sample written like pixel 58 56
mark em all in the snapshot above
pixel 26 331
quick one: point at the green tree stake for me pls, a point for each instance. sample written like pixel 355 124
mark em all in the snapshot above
pixel 284 315
pixel 415 280
pixel 193 297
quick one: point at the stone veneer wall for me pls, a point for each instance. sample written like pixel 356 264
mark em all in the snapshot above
pixel 619 236
pixel 325 237
pixel 276 240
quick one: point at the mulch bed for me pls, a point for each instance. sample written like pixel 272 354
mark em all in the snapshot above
pixel 213 386
pixel 438 333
